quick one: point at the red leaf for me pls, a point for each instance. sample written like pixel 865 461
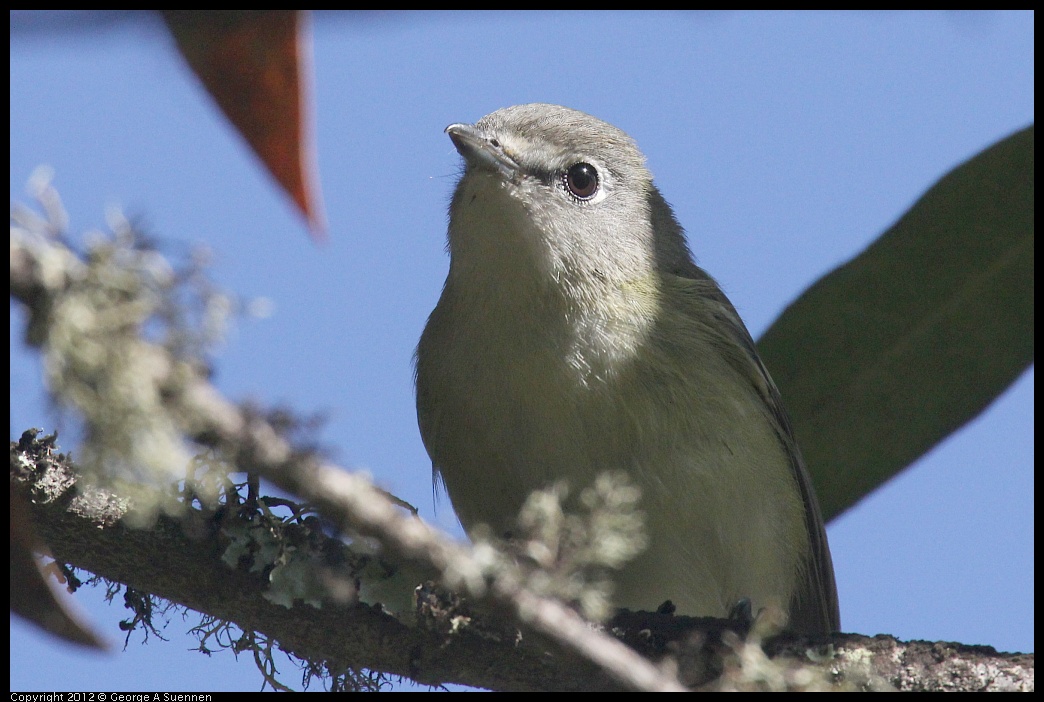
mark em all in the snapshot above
pixel 254 64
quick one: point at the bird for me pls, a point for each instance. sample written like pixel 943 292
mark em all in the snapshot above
pixel 575 335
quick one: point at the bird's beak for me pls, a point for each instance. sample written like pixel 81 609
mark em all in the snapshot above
pixel 481 151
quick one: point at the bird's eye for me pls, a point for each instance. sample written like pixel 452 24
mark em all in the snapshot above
pixel 581 180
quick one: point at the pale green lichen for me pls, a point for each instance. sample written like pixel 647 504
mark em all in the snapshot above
pixel 120 335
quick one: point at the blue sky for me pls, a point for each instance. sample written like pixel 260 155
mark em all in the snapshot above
pixel 786 143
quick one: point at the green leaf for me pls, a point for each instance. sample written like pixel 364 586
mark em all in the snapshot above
pixel 892 352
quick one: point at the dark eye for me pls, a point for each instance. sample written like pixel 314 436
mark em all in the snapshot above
pixel 581 180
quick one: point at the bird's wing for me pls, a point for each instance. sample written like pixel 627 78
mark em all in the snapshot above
pixel 815 607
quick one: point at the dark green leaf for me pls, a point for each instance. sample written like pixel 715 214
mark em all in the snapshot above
pixel 895 350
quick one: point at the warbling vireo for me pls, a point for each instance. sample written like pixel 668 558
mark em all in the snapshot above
pixel 576 335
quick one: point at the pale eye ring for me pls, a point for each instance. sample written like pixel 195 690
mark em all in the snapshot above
pixel 581 180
